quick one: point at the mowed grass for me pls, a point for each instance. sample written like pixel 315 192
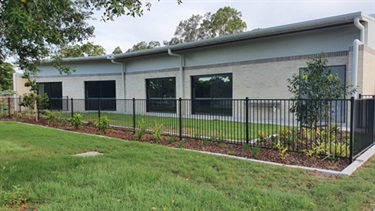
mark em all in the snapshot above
pixel 37 166
pixel 215 127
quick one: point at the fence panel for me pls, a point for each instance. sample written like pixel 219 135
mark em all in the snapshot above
pixel 364 117
pixel 265 123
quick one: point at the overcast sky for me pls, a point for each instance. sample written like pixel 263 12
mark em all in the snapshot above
pixel 160 23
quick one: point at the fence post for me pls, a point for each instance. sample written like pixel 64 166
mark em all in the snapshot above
pixel 247 119
pixel 72 108
pixel 180 117
pixel 9 107
pixel 98 108
pixel 351 147
pixel 360 96
pixel 133 115
pixel 19 101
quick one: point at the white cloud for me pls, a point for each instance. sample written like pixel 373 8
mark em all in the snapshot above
pixel 160 23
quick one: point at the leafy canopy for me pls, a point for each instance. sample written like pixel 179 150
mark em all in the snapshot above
pixel 225 21
pixel 31 30
pixel 87 49
pixel 143 46
pixel 117 50
pixel 6 76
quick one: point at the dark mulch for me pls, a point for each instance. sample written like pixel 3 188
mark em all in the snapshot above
pixel 272 155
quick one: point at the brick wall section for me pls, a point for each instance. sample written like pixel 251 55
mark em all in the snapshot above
pixel 368 79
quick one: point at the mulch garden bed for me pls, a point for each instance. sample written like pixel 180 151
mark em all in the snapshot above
pixel 272 155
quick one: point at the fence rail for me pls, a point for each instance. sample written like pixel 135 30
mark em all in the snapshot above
pixel 344 128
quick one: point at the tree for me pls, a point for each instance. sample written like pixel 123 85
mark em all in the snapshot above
pixel 313 90
pixel 143 46
pixel 117 50
pixel 225 21
pixel 32 30
pixel 87 49
pixel 6 76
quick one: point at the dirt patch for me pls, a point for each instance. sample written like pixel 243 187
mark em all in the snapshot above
pixel 272 155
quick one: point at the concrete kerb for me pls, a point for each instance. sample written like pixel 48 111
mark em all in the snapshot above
pixel 349 170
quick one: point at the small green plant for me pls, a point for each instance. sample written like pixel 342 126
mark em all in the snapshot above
pixel 61 120
pixel 51 116
pixel 205 142
pixel 18 115
pixel 223 145
pixel 255 151
pixel 76 121
pixel 261 135
pixel 158 131
pixel 17 197
pixel 246 148
pixel 142 129
pixel 181 143
pixel 103 124
pixel 171 139
pixel 92 122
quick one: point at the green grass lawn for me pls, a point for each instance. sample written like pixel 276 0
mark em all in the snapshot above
pixel 213 127
pixel 36 165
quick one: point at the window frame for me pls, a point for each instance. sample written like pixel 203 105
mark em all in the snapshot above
pixel 226 101
pixel 167 103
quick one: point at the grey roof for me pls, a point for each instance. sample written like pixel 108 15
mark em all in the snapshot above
pixel 272 31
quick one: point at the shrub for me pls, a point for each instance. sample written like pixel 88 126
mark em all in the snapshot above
pixel 255 151
pixel 246 148
pixel 205 142
pixel 76 121
pixel 158 131
pixel 61 120
pixel 92 122
pixel 142 129
pixel 103 124
pixel 171 139
pixel 51 116
pixel 181 143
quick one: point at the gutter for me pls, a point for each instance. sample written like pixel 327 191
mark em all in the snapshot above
pixel 181 72
pixel 356 44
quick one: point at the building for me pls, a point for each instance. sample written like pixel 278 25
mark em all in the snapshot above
pixel 254 64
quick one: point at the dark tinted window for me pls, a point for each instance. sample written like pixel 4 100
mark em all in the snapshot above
pixel 212 94
pixel 161 94
pixel 103 90
pixel 54 93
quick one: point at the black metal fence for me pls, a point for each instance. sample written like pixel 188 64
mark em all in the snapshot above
pixel 343 128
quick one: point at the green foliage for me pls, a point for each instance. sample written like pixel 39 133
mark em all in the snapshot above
pixel 117 50
pixel 181 143
pixel 142 129
pixel 157 177
pixel 103 124
pixel 255 151
pixel 92 122
pixel 313 89
pixel 6 76
pixel 205 142
pixel 171 139
pixel 246 147
pixel 29 100
pixel 62 120
pixel 76 121
pixel 198 27
pixel 144 46
pixel 87 49
pixel 158 131
pixel 261 135
pixel 14 198
pixel 51 116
